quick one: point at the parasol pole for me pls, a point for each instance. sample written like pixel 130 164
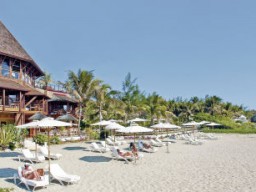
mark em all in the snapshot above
pixel 49 159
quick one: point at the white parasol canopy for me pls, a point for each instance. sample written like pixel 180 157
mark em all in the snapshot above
pixel 165 126
pixel 212 124
pixel 114 125
pixel 134 129
pixel 102 123
pixel 137 120
pixel 190 124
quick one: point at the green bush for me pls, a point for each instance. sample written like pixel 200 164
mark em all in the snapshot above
pixel 40 139
pixel 55 140
pixel 229 125
pixel 6 189
pixel 12 145
pixel 8 133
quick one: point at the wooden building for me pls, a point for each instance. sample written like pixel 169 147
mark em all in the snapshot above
pixel 19 97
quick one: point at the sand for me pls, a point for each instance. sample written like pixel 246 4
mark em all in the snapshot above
pixel 227 164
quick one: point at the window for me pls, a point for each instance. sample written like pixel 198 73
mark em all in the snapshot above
pixel 5 69
pixel 16 70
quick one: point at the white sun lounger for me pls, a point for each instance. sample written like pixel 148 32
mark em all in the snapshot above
pixel 95 147
pixel 156 144
pixel 27 155
pixel 116 156
pixel 148 150
pixel 30 182
pixel 44 151
pixel 112 143
pixel 60 175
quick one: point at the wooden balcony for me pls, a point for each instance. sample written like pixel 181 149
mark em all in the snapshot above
pixel 14 108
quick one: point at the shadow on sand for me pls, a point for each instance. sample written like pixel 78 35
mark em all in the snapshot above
pixel 95 159
pixel 9 154
pixel 7 172
pixel 74 148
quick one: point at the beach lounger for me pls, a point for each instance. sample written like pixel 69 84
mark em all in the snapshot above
pixel 29 144
pixel 27 155
pixel 112 143
pixel 116 156
pixel 156 144
pixel 44 182
pixel 95 147
pixel 57 173
pixel 143 149
pixel 54 156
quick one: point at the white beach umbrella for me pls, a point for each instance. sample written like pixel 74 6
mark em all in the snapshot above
pixel 166 126
pixel 114 126
pixel 204 122
pixel 191 124
pixel 134 129
pixel 137 120
pixel 212 124
pixel 102 123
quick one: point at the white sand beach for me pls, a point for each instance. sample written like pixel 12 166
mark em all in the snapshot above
pixel 227 164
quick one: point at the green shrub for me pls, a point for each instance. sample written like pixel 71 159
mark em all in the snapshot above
pixel 6 189
pixel 12 145
pixel 40 139
pixel 55 140
pixel 229 125
pixel 8 133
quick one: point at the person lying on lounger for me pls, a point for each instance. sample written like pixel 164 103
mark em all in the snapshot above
pixel 124 154
pixel 145 145
pixel 29 173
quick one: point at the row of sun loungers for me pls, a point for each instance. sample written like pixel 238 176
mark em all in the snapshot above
pixel 27 155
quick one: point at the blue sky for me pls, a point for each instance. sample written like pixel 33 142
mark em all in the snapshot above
pixel 177 48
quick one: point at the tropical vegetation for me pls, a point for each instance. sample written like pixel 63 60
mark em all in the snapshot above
pixel 98 101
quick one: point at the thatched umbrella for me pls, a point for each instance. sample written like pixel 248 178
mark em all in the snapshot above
pixel 37 116
pixel 67 117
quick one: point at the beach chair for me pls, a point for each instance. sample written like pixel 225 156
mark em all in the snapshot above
pixel 143 149
pixel 27 155
pixel 95 147
pixel 103 144
pixel 112 143
pixel 29 144
pixel 44 152
pixel 116 156
pixel 44 182
pixel 194 142
pixel 57 173
pixel 156 144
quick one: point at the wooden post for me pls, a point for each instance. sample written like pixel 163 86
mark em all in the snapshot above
pixel 20 102
pixel 3 99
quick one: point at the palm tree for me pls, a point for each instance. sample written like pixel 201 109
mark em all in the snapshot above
pixel 130 96
pixel 45 80
pixel 155 107
pixel 103 95
pixel 84 85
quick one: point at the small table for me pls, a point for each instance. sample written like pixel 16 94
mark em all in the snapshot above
pixel 167 140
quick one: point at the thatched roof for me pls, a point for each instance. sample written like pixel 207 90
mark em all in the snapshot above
pixel 13 85
pixel 10 47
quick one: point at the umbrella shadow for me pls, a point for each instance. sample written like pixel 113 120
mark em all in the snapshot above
pixel 95 159
pixel 7 172
pixel 74 148
pixel 9 154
